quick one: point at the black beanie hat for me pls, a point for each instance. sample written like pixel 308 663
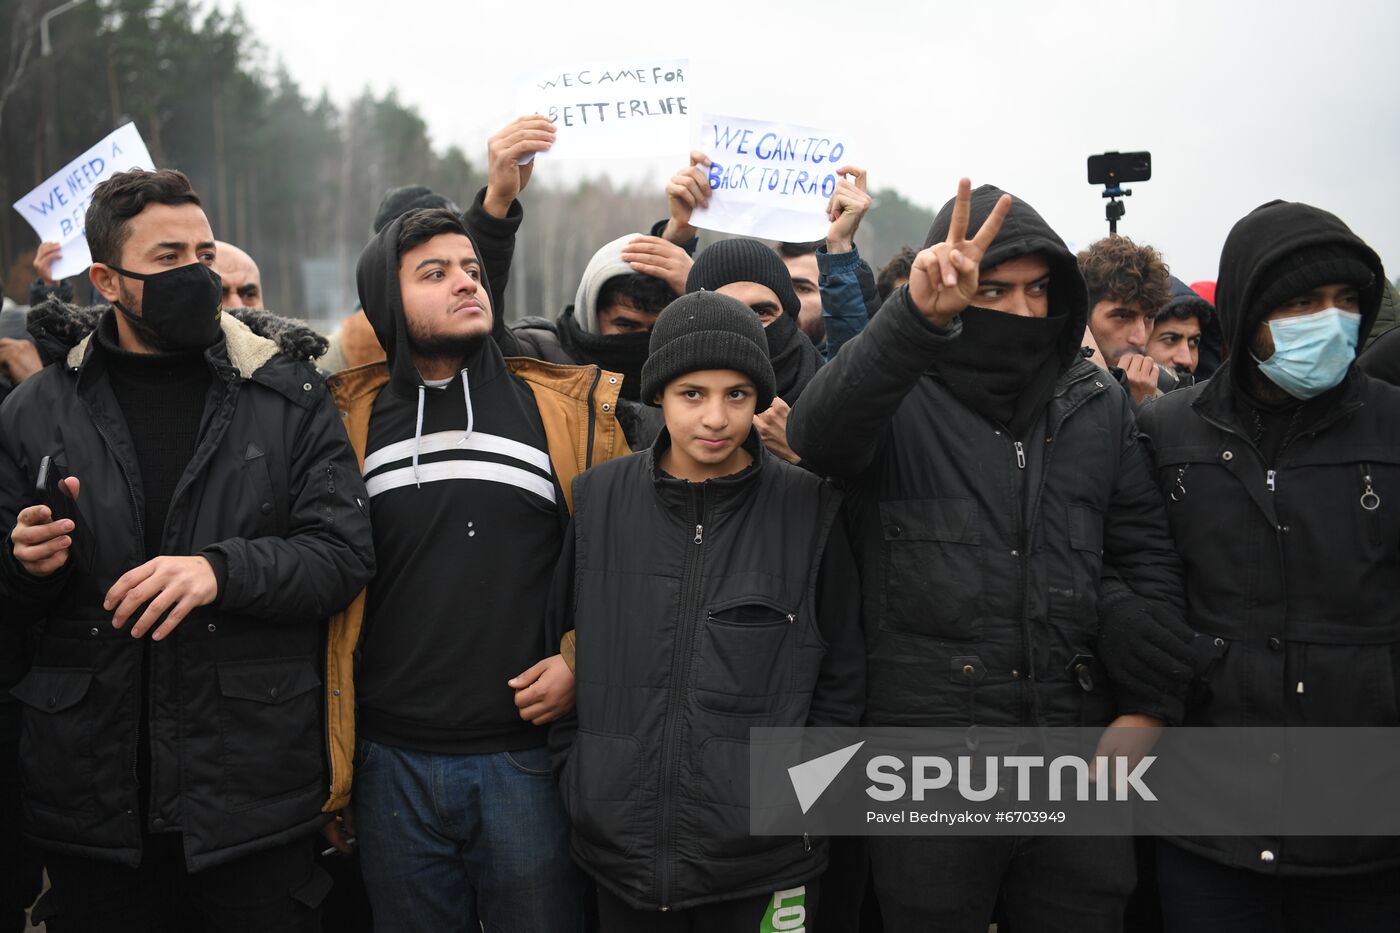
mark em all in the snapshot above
pixel 1307 268
pixel 703 330
pixel 741 260
pixel 399 201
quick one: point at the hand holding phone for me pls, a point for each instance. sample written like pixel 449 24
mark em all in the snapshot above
pixel 44 534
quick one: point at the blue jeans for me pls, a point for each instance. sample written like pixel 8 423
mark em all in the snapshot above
pixel 464 842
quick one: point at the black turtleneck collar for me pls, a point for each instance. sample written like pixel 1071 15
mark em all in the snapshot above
pixel 719 494
pixel 164 368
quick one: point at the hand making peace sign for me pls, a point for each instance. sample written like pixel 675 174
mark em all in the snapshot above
pixel 943 280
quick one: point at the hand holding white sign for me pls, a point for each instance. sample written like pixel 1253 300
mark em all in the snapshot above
pixel 688 189
pixel 509 159
pixel 847 208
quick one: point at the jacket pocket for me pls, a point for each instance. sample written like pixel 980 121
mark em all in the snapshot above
pixel 932 560
pixel 602 786
pixel 744 661
pixel 261 498
pixel 55 743
pixel 1076 594
pixel 272 736
pixel 722 801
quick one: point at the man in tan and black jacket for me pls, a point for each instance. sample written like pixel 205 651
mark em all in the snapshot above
pixel 468 458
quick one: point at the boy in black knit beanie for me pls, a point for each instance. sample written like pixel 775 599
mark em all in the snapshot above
pixel 712 588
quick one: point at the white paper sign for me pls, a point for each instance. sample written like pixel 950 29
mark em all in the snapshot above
pixel 57 208
pixel 769 180
pixel 614 109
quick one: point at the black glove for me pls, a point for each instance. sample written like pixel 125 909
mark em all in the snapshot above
pixel 1144 653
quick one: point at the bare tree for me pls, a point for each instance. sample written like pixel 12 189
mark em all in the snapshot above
pixel 21 43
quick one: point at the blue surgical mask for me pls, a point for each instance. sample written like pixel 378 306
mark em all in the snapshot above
pixel 1312 352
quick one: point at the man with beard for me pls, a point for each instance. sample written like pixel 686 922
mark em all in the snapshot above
pixel 751 272
pixel 469 461
pixel 1013 547
pixel 1127 284
pixel 609 324
pixel 1185 335
pixel 1282 472
pixel 174 742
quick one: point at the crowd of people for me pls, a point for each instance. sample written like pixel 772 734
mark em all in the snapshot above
pixel 441 622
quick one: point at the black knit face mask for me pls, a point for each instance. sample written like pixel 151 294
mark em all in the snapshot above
pixel 180 308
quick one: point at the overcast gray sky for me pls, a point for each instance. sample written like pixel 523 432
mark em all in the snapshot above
pixel 1239 102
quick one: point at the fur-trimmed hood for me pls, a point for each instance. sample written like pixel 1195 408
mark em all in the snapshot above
pixel 63 331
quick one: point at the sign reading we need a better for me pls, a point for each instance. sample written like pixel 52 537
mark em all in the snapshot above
pixel 769 180
pixel 57 208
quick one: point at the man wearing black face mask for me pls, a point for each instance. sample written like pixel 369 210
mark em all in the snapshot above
pixel 754 274
pixel 1014 546
pixel 174 752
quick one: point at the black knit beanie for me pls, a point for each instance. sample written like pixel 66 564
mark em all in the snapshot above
pixel 703 330
pixel 399 201
pixel 1305 269
pixel 740 260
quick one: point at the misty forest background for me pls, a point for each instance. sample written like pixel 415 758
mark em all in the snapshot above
pixel 292 180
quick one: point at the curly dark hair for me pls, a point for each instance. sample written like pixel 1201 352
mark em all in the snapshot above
pixel 897 268
pixel 122 197
pixel 1117 269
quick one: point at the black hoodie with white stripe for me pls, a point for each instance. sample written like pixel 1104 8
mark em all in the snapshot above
pixel 468 521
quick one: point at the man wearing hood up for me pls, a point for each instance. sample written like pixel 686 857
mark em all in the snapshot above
pixel 1015 560
pixel 1284 478
pixel 1185 335
pixel 609 324
pixel 469 460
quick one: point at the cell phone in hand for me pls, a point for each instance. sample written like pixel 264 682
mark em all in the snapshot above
pixel 61 505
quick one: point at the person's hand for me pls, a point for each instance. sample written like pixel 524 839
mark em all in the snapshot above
pixel 1142 376
pixel 848 205
pixel 19 359
pixel 943 280
pixel 48 253
pixel 772 430
pixel 688 189
pixel 506 177
pixel 41 545
pixel 1131 736
pixel 178 584
pixel 545 691
pixel 660 259
pixel 340 832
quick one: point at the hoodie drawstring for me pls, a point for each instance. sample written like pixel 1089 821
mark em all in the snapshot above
pixel 418 428
pixel 471 416
pixel 418 437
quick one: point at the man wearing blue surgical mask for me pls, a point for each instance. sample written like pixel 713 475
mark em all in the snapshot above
pixel 1283 479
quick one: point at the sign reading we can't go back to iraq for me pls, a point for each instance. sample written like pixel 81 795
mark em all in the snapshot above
pixel 613 109
pixel 769 180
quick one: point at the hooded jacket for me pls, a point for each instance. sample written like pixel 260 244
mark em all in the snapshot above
pixel 1381 357
pixel 1292 581
pixel 235 725
pixel 982 556
pixel 531 425
pixel 1212 346
pixel 573 339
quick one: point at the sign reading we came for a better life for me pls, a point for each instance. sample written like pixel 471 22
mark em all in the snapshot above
pixel 57 208
pixel 769 180
pixel 614 109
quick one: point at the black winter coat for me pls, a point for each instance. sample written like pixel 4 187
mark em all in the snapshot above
pixel 1292 580
pixel 981 557
pixel 236 731
pixel 702 610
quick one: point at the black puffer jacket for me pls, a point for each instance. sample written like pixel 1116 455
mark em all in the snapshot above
pixel 982 557
pixel 236 731
pixel 1292 581
pixel 702 610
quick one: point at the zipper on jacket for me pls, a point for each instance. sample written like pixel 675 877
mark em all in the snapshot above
pixel 1269 478
pixel 588 454
pixel 1020 456
pixel 680 672
pixel 1179 492
pixel 141 658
